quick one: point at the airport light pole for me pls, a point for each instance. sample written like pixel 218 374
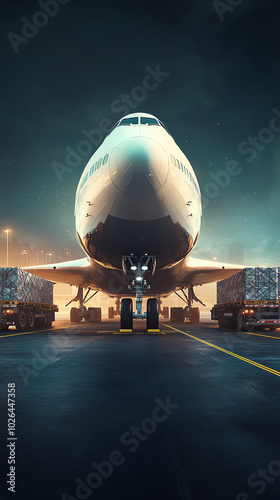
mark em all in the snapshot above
pixel 50 254
pixel 24 252
pixel 7 231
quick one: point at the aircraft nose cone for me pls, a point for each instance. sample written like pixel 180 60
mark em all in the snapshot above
pixel 140 167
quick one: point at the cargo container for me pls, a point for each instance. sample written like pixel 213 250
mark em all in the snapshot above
pixel 26 301
pixel 249 299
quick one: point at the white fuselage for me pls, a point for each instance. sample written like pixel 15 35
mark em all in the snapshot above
pixel 138 193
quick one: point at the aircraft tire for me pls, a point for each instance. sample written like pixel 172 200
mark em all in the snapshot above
pixel 94 315
pixel 126 314
pixel 152 314
pixel 195 315
pixel 177 315
pixel 74 315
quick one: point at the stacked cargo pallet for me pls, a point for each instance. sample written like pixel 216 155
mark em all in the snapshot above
pixel 18 285
pixel 252 283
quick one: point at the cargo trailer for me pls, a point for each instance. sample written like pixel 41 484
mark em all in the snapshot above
pixel 26 301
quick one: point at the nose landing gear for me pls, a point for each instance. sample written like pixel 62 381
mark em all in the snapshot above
pixel 139 265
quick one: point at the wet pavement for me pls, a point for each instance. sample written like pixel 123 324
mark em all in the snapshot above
pixel 191 413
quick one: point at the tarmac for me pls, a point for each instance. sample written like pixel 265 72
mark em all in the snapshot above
pixel 190 413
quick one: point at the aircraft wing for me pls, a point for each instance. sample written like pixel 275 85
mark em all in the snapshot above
pixel 90 274
pixel 199 272
pixel 73 272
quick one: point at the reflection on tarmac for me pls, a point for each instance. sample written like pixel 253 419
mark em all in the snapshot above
pixel 190 414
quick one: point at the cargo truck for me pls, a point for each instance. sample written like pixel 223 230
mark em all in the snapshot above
pixel 249 300
pixel 26 301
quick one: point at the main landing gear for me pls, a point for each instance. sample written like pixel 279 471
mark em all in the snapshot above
pixel 139 265
pixel 77 314
pixel 179 314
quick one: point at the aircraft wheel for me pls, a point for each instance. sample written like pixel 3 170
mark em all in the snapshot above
pixel 94 315
pixel 152 314
pixel 74 315
pixel 126 314
pixel 195 315
pixel 177 315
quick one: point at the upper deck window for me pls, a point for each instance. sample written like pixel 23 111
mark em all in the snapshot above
pixel 129 121
pixel 148 121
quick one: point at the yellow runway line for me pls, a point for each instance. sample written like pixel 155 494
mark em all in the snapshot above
pixel 258 365
pixel 37 331
pixel 105 331
pixel 123 333
pixel 155 332
pixel 262 335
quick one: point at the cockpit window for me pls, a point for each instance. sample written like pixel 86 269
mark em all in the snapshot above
pixel 164 127
pixel 148 121
pixel 129 121
pixel 144 120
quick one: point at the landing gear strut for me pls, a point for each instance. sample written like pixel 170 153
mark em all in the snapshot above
pixel 192 313
pixel 178 314
pixel 139 265
pixel 91 315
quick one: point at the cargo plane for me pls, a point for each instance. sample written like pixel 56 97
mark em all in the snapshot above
pixel 138 218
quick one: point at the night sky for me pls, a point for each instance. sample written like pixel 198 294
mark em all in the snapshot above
pixel 219 90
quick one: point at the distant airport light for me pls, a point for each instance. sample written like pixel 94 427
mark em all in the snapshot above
pixel 7 231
